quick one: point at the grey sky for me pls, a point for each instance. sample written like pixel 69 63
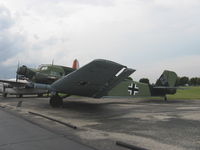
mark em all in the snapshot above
pixel 148 35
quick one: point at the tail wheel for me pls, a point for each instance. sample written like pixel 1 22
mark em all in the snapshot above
pixel 56 101
pixel 165 98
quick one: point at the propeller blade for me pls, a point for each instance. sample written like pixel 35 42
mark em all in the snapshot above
pixel 16 72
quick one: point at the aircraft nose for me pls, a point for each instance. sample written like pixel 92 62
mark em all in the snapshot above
pixel 22 70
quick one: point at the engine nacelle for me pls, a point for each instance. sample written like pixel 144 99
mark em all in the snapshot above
pixel 26 72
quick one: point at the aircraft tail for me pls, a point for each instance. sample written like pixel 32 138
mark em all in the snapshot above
pixel 75 64
pixel 128 88
pixel 167 79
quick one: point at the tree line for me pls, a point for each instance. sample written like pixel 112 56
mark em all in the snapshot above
pixel 181 81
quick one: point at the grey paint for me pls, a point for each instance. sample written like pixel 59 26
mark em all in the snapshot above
pixel 18 134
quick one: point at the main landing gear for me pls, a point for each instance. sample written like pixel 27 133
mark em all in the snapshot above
pixel 40 95
pixel 19 95
pixel 56 101
pixel 4 94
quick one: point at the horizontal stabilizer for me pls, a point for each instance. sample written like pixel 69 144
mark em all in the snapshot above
pixel 163 87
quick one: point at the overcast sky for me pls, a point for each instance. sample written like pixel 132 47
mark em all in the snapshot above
pixel 147 35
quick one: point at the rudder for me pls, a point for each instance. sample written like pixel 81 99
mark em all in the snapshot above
pixel 167 79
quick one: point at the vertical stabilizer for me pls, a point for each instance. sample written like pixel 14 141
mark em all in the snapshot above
pixel 167 79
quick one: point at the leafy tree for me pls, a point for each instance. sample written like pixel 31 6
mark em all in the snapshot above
pixel 144 80
pixel 198 81
pixel 178 81
pixel 194 81
pixel 183 81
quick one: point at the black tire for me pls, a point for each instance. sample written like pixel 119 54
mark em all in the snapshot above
pixel 5 95
pixel 40 95
pixel 56 101
pixel 19 95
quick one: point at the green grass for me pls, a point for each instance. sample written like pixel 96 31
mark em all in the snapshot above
pixel 187 93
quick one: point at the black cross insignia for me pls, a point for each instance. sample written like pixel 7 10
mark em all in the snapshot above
pixel 133 89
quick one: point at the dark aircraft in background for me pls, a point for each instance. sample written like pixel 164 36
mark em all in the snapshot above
pixel 45 74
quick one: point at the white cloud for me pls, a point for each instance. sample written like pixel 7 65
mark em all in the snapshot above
pixel 137 33
pixel 183 66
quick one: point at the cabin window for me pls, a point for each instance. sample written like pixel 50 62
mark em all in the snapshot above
pixel 54 73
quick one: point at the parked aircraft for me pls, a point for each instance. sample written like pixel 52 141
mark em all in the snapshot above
pixel 103 78
pixel 45 74
pixel 97 79
pixel 19 89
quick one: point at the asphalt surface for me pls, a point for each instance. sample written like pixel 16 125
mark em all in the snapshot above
pixel 19 134
pixel 150 124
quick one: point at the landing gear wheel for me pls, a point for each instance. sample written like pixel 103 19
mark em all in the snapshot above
pixel 5 95
pixel 19 96
pixel 40 95
pixel 4 91
pixel 56 101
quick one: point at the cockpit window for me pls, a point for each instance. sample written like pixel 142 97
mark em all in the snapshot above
pixel 43 68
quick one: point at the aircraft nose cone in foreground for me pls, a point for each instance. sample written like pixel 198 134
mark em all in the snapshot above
pixel 24 71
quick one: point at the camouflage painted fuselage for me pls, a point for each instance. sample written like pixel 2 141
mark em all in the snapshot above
pixel 45 74
pixel 164 85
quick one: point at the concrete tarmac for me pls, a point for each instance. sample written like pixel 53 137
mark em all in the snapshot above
pixel 145 123
pixel 18 134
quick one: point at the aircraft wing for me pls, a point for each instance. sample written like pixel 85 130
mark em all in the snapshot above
pixel 92 80
pixel 14 83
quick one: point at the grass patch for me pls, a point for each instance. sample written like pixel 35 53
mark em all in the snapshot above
pixel 188 93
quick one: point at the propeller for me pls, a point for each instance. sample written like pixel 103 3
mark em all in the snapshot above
pixel 17 76
pixel 52 62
